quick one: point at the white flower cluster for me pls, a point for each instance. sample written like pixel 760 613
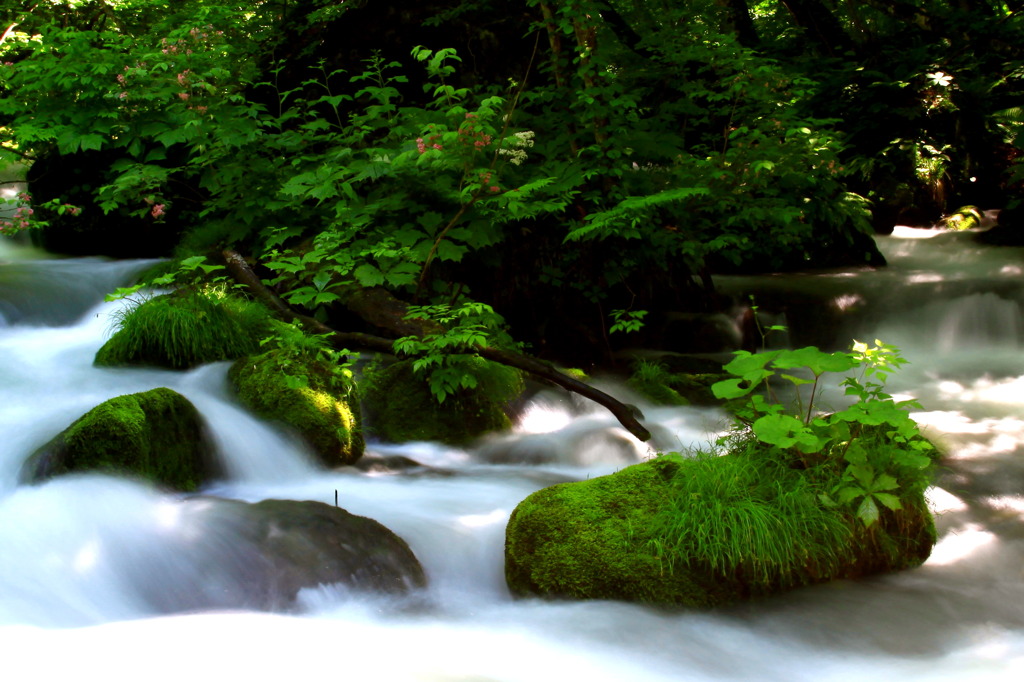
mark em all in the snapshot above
pixel 518 144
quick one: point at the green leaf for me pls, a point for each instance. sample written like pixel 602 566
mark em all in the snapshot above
pixel 730 388
pixel 849 493
pixel 92 141
pixel 890 501
pixel 816 360
pixel 779 429
pixel 864 473
pixel 446 250
pixel 172 136
pixel 746 361
pixel 321 280
pixel 369 275
pixel 868 511
pixel 885 482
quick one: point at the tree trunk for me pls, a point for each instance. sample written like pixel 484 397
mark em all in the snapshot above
pixel 740 22
pixel 821 25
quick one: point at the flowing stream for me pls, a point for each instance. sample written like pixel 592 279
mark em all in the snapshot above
pixel 110 575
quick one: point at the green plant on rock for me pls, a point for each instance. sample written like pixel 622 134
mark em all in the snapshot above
pixel 301 381
pixel 654 381
pixel 185 328
pixel 296 348
pixel 401 405
pixel 446 359
pixel 193 272
pixel 866 454
pixel 749 518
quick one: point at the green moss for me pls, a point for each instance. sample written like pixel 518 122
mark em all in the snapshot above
pixel 964 218
pixel 589 540
pixel 699 533
pixel 576 373
pixel 185 329
pixel 401 407
pixel 156 435
pixel 655 382
pixel 307 394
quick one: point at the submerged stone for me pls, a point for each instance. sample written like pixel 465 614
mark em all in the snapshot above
pixel 157 435
pixel 227 554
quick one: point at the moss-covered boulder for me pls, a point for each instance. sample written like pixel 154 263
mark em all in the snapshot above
pixel 964 218
pixel 185 329
pixel 699 533
pixel 310 395
pixel 157 435
pixel 400 406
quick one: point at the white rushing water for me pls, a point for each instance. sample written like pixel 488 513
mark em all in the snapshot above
pixel 112 576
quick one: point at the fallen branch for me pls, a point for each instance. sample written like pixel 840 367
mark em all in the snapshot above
pixel 385 314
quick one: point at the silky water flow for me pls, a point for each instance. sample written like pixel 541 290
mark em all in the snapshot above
pixel 106 575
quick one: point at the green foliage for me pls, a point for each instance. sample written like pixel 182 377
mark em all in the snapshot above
pixel 301 381
pixel 868 453
pixel 446 358
pixel 627 321
pixel 748 516
pixel 23 213
pixel 295 350
pixel 185 329
pixel 187 273
pixel 402 406
pixel 632 151
pixel 654 381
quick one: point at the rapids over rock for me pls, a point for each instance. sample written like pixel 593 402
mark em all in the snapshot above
pixel 113 576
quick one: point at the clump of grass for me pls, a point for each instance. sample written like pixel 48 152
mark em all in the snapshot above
pixel 750 520
pixel 186 328
pixel 654 381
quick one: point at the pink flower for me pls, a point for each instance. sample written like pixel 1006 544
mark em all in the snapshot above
pixel 495 188
pixel 421 145
pixel 183 96
pixel 158 210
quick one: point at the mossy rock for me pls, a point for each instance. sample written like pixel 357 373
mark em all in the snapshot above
pixel 306 394
pixel 603 539
pixel 400 407
pixel 677 389
pixel 185 329
pixel 157 435
pixel 964 218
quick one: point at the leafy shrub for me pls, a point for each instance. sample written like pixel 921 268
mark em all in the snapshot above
pixel 867 454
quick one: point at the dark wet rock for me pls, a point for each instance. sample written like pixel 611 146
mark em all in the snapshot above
pixel 261 556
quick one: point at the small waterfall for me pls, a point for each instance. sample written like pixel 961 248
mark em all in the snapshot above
pixel 109 572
